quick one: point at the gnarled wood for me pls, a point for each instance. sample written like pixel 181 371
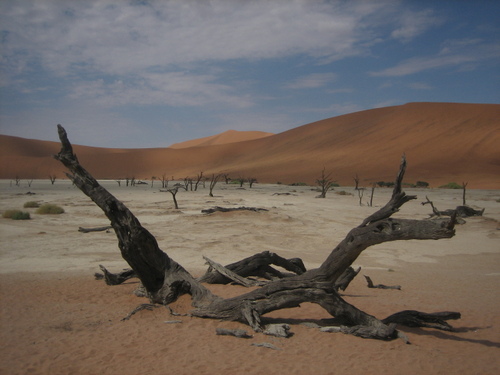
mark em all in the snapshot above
pixel 165 280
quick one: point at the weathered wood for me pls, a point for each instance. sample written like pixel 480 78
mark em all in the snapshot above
pixel 380 286
pixel 231 275
pixel 115 278
pixel 460 211
pixel 98 229
pixel 258 265
pixel 231 209
pixel 240 333
pixel 412 318
pixel 165 280
pixel 345 279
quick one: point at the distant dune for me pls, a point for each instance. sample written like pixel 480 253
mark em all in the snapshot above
pixel 443 142
pixel 230 136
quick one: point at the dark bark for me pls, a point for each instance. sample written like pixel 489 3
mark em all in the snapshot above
pixel 225 209
pixel 98 229
pixel 257 265
pixel 460 211
pixel 380 286
pixel 165 280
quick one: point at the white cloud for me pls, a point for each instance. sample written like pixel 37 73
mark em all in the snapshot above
pixel 413 24
pixel 454 53
pixel 172 88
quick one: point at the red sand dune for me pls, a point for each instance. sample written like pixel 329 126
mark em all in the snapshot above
pixel 230 136
pixel 443 142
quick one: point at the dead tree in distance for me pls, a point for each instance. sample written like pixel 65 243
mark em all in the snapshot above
pixel 325 183
pixel 213 182
pixel 166 280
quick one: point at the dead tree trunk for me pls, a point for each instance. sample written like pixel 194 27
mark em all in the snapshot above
pixel 165 280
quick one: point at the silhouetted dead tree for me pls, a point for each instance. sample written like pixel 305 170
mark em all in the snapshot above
pixel 165 280
pixel 213 182
pixel 325 183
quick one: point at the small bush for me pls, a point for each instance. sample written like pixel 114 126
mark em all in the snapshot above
pixel 16 215
pixel 21 216
pixel 31 204
pixel 422 184
pixel 298 184
pixel 49 209
pixel 385 184
pixel 343 192
pixel 451 185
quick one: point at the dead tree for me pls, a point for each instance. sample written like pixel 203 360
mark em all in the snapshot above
pixel 464 185
pixel 165 280
pixel 164 181
pixel 356 182
pixel 325 183
pixel 213 182
pixel 459 211
pixel 174 192
pixel 251 181
pixel 198 179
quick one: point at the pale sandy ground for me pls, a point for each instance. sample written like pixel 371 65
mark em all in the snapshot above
pixel 56 319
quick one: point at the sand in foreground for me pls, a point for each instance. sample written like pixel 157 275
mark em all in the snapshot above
pixel 56 319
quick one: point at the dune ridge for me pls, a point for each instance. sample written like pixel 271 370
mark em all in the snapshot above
pixel 443 142
pixel 229 136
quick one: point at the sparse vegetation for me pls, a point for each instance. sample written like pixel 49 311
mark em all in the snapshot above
pixel 385 184
pixel 49 209
pixel 342 192
pixel 451 185
pixel 16 215
pixel 325 183
pixel 422 184
pixel 31 204
pixel 298 184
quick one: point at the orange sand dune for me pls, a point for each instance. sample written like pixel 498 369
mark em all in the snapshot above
pixel 230 136
pixel 443 142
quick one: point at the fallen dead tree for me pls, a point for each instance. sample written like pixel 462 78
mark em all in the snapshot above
pixel 231 209
pixel 459 211
pixel 165 280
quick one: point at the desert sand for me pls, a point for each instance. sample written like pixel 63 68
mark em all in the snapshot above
pixel 57 319
pixel 443 142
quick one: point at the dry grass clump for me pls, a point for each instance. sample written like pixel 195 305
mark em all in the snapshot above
pixel 16 215
pixel 31 204
pixel 49 209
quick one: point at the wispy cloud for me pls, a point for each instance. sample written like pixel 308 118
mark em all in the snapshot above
pixel 313 80
pixel 110 50
pixel 413 24
pixel 454 53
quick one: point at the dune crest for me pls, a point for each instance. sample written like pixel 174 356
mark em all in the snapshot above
pixel 229 136
pixel 443 142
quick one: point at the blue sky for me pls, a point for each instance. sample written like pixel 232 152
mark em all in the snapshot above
pixel 137 74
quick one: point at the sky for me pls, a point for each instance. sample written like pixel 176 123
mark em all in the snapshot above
pixel 142 74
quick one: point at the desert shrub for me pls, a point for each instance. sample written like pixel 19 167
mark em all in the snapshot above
pixel 20 215
pixel 385 184
pixel 298 184
pixel 16 215
pixel 49 209
pixel 343 192
pixel 422 184
pixel 31 204
pixel 451 185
